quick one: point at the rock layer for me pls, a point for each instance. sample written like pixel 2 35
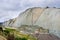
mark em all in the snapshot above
pixel 48 18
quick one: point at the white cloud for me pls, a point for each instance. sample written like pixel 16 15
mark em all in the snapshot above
pixel 11 8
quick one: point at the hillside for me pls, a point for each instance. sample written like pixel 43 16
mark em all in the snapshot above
pixel 48 18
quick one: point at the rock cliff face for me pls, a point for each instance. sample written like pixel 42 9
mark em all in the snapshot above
pixel 48 18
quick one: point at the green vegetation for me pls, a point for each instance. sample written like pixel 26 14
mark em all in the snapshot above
pixel 13 34
pixel 18 38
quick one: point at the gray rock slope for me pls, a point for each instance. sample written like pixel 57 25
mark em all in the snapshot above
pixel 48 18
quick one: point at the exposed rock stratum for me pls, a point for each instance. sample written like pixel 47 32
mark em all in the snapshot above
pixel 48 18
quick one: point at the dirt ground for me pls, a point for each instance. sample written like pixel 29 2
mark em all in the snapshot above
pixel 2 38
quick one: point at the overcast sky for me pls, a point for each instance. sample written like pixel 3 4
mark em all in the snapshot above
pixel 12 8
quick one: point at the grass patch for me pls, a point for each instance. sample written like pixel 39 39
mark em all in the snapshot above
pixel 16 35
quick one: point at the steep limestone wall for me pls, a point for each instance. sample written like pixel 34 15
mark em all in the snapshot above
pixel 48 18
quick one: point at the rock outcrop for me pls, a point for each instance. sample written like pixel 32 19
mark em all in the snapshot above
pixel 48 18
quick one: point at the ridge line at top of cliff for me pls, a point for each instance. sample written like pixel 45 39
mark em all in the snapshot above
pixel 38 7
pixel 33 8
